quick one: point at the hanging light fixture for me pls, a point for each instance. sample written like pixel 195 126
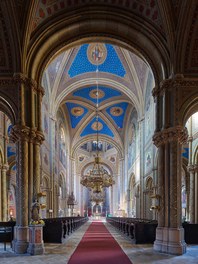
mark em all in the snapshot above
pixel 97 178
pixel 97 197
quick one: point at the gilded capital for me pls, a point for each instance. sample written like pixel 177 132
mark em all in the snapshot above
pixel 41 90
pixel 23 78
pixel 192 168
pixel 39 138
pixel 155 92
pixel 177 133
pixel 165 85
pixel 19 133
pixel 4 167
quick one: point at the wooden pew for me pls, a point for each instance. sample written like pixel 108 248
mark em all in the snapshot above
pixel 190 233
pixel 56 229
pixel 139 230
pixel 6 232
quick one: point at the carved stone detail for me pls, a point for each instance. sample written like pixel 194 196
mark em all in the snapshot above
pixel 177 133
pixel 193 168
pixel 22 78
pixel 39 137
pixel 41 90
pixel 19 133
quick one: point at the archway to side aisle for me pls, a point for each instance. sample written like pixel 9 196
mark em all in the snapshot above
pixel 125 87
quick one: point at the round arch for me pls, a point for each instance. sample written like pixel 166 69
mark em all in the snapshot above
pixel 102 138
pixel 104 25
pixel 195 156
pixel 189 108
pixel 91 164
pixel 102 81
pixel 7 108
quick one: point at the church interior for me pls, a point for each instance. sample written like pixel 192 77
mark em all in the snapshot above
pixel 99 114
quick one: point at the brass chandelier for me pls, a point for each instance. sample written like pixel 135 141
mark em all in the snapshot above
pixel 97 198
pixel 97 178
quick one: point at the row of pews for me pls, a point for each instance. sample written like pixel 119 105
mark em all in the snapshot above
pixel 6 232
pixel 143 231
pixel 56 230
pixel 140 231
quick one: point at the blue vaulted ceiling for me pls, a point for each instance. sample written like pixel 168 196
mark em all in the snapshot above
pixel 75 119
pixel 81 104
pixel 111 64
pixel 82 108
pixel 118 119
pixel 107 92
pixel 89 130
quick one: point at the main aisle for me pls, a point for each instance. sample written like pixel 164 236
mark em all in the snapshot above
pixel 61 253
pixel 98 246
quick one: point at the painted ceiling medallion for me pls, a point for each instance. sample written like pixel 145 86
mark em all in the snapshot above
pixel 96 53
pixel 94 126
pixel 116 111
pixel 77 111
pixel 96 94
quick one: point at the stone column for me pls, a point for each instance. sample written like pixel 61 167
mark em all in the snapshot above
pixel 196 193
pixel 142 160
pixel 4 168
pixel 128 202
pixel 122 184
pixel 187 196
pixel 169 233
pixel 36 163
pixel 73 175
pixel 4 195
pixel 169 136
pixel 0 196
pixel 20 135
pixel 52 122
pixel 38 139
pixel 191 170
pixel 31 172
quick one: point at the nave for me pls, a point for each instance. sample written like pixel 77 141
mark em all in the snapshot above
pixel 61 253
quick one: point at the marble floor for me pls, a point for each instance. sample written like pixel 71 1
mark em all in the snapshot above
pixel 60 253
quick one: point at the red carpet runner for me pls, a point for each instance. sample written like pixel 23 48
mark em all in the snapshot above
pixel 98 247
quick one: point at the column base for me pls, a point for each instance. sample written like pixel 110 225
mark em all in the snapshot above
pixel 170 240
pixel 36 249
pixel 36 245
pixel 21 238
